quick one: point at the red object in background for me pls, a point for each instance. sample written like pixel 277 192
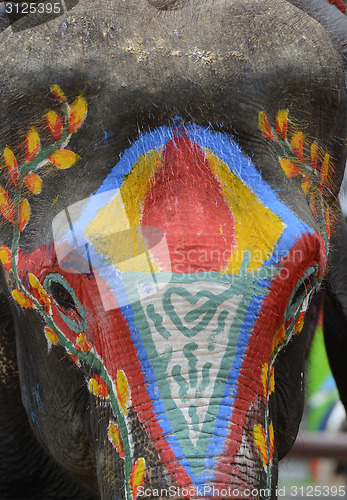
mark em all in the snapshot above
pixel 339 4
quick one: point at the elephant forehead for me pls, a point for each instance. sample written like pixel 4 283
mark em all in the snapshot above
pixel 181 199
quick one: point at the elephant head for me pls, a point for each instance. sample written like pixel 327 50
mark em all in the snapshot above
pixel 163 234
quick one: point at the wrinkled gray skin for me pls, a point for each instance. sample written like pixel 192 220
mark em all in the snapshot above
pixel 139 65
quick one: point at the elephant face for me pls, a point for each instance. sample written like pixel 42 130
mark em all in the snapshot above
pixel 160 297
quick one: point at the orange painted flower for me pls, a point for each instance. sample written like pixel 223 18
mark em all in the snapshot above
pixel 55 124
pixel 137 477
pixel 115 438
pixel 282 123
pixel 63 158
pixel 24 214
pixel 314 156
pixel 11 164
pixel 299 323
pixel 6 257
pixel 260 443
pixel 58 93
pixel 98 386
pixel 51 335
pixel 22 299
pixel 33 182
pixel 78 112
pixel 324 172
pixel 6 205
pixel 268 381
pixel 43 297
pixel 74 359
pixel 289 167
pixel 32 144
pixel 123 391
pixel 264 125
pixel 297 145
pixel 82 343
pixel 327 223
pixel 279 337
pixel 305 184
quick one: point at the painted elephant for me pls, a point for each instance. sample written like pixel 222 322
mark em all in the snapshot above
pixel 168 186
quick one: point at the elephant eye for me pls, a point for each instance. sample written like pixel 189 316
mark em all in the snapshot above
pixel 306 286
pixel 62 296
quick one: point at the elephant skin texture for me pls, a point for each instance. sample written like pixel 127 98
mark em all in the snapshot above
pixel 168 204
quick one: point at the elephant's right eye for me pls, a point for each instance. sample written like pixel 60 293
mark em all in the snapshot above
pixel 62 296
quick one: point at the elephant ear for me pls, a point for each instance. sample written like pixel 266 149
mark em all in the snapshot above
pixel 335 309
pixel 330 17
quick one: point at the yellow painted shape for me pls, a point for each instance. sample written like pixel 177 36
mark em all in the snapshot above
pixel 24 214
pixel 135 185
pixel 115 438
pixel 51 336
pixel 260 443
pixel 59 94
pixel 6 257
pixel 123 391
pixel 44 297
pixel 63 158
pixel 114 232
pixel 268 380
pixel 78 112
pixel 32 143
pixel 137 476
pixel 22 299
pixel 98 387
pixel 33 182
pixel 279 337
pixel 257 228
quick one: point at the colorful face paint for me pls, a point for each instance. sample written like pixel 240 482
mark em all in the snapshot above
pixel 178 281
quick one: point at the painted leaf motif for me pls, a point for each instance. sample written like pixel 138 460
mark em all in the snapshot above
pixel 264 125
pixel 137 476
pixel 6 257
pixel 116 439
pixel 58 93
pixel 63 158
pixel 327 222
pixel 6 205
pixel 51 335
pixel 44 299
pixel 324 170
pixel 82 343
pixel 74 359
pixel 314 156
pixel 268 381
pixel 282 123
pixel 289 167
pixel 279 337
pixel 32 144
pixel 271 440
pixel 55 124
pixel 78 111
pixel 22 299
pixel 24 214
pixel 260 443
pixel 299 323
pixel 33 182
pixel 123 391
pixel 306 183
pixel 11 163
pixel 98 386
pixel 297 145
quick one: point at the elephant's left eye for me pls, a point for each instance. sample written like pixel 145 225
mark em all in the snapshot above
pixel 62 296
